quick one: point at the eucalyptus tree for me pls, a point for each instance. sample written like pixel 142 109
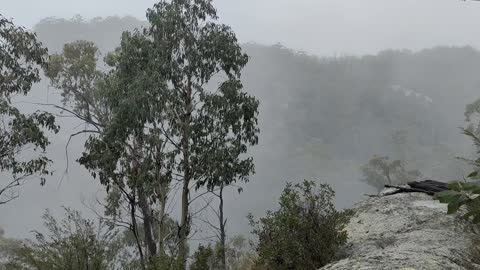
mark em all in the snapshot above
pixel 230 119
pixel 118 152
pixel 226 174
pixel 21 56
pixel 165 122
pixel 129 153
pixel 207 131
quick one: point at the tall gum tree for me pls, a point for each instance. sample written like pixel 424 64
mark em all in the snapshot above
pixel 119 151
pixel 207 131
pixel 166 123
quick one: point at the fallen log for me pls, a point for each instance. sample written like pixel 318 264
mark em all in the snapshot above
pixel 407 189
pixel 429 187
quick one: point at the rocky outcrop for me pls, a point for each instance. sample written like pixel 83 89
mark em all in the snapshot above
pixel 405 231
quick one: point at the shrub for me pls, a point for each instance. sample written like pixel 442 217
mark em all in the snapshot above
pixel 204 258
pixel 305 233
pixel 465 193
pixel 237 251
pixel 72 243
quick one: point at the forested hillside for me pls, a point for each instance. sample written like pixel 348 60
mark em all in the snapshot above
pixel 320 118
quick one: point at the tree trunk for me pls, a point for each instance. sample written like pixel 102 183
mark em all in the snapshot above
pixel 143 201
pixel 223 223
pixel 161 226
pixel 134 229
pixel 184 224
pixel 187 177
pixel 162 188
pixel 147 225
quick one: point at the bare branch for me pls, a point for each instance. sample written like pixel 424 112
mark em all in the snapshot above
pixel 66 152
pixel 97 125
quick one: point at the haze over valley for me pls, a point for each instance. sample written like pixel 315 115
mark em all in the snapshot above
pixel 338 83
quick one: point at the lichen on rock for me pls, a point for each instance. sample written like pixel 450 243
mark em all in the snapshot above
pixel 405 231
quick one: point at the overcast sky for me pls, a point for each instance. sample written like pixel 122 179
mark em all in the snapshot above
pixel 322 27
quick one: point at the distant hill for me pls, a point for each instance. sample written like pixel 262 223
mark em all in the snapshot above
pixel 355 103
pixel 321 118
pixel 350 102
pixel 105 32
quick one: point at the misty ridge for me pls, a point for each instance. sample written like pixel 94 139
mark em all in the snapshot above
pixel 320 119
pixel 336 111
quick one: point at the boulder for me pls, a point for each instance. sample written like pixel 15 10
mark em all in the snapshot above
pixel 405 231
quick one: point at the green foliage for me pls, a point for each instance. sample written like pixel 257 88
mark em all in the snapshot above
pixel 164 261
pixel 204 259
pixel 75 72
pixel 237 251
pixel 305 233
pixel 167 259
pixel 462 193
pixel 208 131
pixel 21 55
pixel 7 245
pixel 121 151
pixel 72 243
pixel 381 171
pixel 193 49
pixel 162 117
pixel 465 193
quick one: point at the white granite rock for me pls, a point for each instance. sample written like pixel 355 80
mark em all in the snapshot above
pixel 404 231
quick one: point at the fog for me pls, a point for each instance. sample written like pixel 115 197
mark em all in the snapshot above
pixel 321 27
pixel 330 96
